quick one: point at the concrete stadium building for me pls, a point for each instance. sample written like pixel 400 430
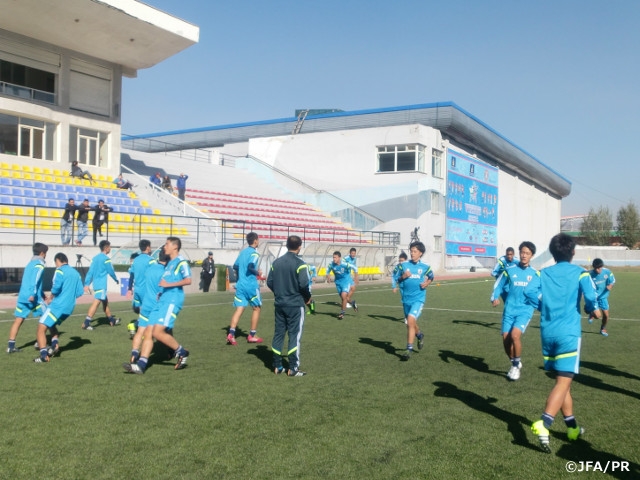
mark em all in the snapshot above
pixel 468 190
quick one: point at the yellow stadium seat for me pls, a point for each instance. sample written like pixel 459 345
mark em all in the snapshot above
pixel 47 171
pixel 156 211
pixel 144 203
pixel 5 173
pixel 48 178
pixel 118 217
pixel 29 211
pixel 19 223
pixel 30 223
pixel 68 181
pixel 122 228
pixel 44 225
pixel 27 176
pixel 322 272
pixel 5 166
pixel 16 167
pixel 27 168
pixel 37 170
pixel 5 223
pixel 5 211
pixel 128 218
pixel 18 211
pixel 38 177
pixel 57 173
pixel 56 213
pixel 109 179
pixel 16 174
pixel 43 212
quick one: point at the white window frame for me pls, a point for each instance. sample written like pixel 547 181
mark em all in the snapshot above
pixel 436 163
pixel 435 202
pixel 417 149
pixel 437 243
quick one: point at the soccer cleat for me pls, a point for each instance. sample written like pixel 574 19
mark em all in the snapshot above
pixel 132 368
pixel 253 339
pixel 278 370
pixel 514 374
pixel 603 332
pixel 35 345
pixel 182 360
pixel 14 350
pixel 136 356
pixel 87 327
pixel 420 338
pixel 406 356
pixel 53 352
pixel 355 306
pixel 541 431
pixel 574 433
pixel 341 315
pixel 296 373
pixel 312 307
pixel 42 360
pixel 231 340
pixel 590 319
pixel 114 321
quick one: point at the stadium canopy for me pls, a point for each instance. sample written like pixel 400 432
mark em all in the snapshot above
pixel 124 32
pixel 452 121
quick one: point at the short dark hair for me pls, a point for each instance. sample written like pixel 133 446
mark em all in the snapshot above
pixel 103 244
pixel 176 241
pixel 597 263
pixel 337 252
pixel 39 248
pixel 61 257
pixel 163 257
pixel 352 249
pixel 403 255
pixel 510 249
pixel 293 242
pixel 144 244
pixel 419 245
pixel 562 247
pixel 528 245
pixel 252 237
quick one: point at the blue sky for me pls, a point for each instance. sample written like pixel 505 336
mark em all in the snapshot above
pixel 558 78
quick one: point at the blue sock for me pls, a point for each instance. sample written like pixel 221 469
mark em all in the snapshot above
pixel 54 343
pixel 232 332
pixel 547 420
pixel 410 346
pixel 252 333
pixel 12 344
pixel 570 421
pixel 142 363
pixel 135 354
pixel 87 321
pixel 515 361
pixel 43 353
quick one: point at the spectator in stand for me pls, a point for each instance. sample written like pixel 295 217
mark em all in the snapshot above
pixel 76 171
pixel 156 179
pixel 66 223
pixel 122 183
pixel 181 184
pixel 83 218
pixel 166 184
pixel 100 217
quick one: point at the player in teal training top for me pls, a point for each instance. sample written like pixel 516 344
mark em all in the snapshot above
pixel 137 279
pixel 344 281
pixel 416 277
pixel 313 273
pixel 247 290
pixel 557 293
pixel 66 288
pixel 517 313
pixel 30 295
pixel 604 280
pixel 177 274
pixel 100 269
pixel 398 271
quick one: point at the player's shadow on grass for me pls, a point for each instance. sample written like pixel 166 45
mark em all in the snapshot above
pixel 74 343
pixel 595 382
pixel 386 317
pixel 516 424
pixel 386 346
pixel 264 354
pixel 608 369
pixel 491 325
pixel 582 451
pixel 477 363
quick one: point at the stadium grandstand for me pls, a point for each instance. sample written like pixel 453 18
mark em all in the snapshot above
pixel 374 179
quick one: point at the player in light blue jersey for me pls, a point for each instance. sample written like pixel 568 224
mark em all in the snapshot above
pixel 342 272
pixel 149 304
pixel 65 290
pixel 247 290
pixel 397 272
pixel 414 280
pixel 100 269
pixel 177 274
pixel 517 313
pixel 557 293
pixel 604 281
pixel 137 278
pixel 353 260
pixel 313 273
pixel 30 295
pixel 503 262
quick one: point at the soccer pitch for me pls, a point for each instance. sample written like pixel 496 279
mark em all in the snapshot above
pixel 360 412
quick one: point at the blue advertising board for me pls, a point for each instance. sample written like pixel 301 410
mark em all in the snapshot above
pixel 472 206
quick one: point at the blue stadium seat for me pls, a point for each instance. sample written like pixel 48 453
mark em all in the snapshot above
pixel 29 202
pixel 29 184
pixel 20 200
pixel 54 204
pixel 40 193
pixel 17 192
pixel 5 190
pixel 40 202
pixel 38 185
pixel 4 199
pixel 62 196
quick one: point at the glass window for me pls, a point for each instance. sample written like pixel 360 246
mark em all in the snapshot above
pixel 401 158
pixel 435 202
pixel 27 82
pixel 27 137
pixel 88 147
pixel 436 163
pixel 8 134
pixel 437 244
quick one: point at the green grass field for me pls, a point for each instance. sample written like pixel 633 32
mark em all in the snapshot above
pixel 359 413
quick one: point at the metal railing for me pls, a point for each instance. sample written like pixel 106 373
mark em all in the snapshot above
pixel 27 93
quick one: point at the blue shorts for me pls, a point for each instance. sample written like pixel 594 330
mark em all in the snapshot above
pixel 413 309
pixel 561 354
pixel 246 296
pixel 52 317
pixel 23 310
pixel 165 314
pixel 137 300
pixel 100 294
pixel 521 321
pixel 343 287
pixel 603 303
pixel 146 314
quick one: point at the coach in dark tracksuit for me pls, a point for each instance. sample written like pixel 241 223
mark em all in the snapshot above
pixel 289 281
